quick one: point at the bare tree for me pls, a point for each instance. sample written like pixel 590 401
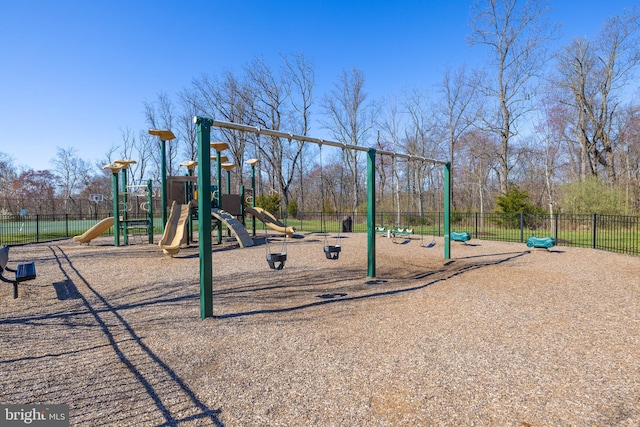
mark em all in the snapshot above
pixel 145 147
pixel 422 138
pixel 7 174
pixel 516 35
pixel 479 180
pixel 228 99
pixel 629 147
pixel 271 109
pixel 392 131
pixel 186 128
pixel 350 119
pixel 35 191
pixel 71 172
pixel 592 75
pixel 459 108
pixel 384 165
pixel 161 115
pixel 299 70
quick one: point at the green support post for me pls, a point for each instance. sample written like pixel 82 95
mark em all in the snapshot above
pixel 447 210
pixel 219 198
pixel 150 210
pixel 253 199
pixel 242 213
pixel 125 236
pixel 252 163
pixel 186 202
pixel 163 181
pixel 190 165
pixel 164 135
pixel 124 165
pixel 371 212
pixel 116 213
pixel 228 189
pixel 115 170
pixel 190 220
pixel 204 215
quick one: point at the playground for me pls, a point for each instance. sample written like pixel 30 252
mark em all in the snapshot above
pixel 500 334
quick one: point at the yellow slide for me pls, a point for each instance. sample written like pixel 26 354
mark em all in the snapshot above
pixel 270 221
pixel 95 231
pixel 235 226
pixel 175 229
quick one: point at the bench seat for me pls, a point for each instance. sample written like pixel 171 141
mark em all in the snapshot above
pixel 24 272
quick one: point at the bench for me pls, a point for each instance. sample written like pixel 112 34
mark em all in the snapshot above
pixel 24 272
pixel 460 237
pixel 541 242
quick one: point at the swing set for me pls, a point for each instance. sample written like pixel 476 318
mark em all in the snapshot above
pixel 399 230
pixel 331 252
pixel 276 260
pixel 203 128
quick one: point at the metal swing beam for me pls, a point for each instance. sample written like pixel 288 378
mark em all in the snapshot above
pixel 204 125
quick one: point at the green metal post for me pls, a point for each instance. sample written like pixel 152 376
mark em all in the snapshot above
pixel 253 198
pixel 186 202
pixel 204 215
pixel 371 212
pixel 116 214
pixel 447 210
pixel 219 198
pixel 242 196
pixel 150 210
pixel 228 188
pixel 189 198
pixel 595 231
pixel 163 182
pixel 125 237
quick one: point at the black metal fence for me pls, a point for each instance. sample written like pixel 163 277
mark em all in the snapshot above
pixel 136 205
pixel 613 233
pixel 24 229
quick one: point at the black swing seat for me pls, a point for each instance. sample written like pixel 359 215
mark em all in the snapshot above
pixel 277 260
pixel 23 273
pixel 332 252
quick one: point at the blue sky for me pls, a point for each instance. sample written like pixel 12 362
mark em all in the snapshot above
pixel 74 73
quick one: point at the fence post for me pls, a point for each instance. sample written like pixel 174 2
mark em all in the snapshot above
pixel 37 228
pixel 555 229
pixel 595 231
pixel 476 215
pixel 521 227
pixel 635 252
pixel 66 225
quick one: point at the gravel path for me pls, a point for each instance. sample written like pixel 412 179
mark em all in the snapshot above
pixel 499 335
